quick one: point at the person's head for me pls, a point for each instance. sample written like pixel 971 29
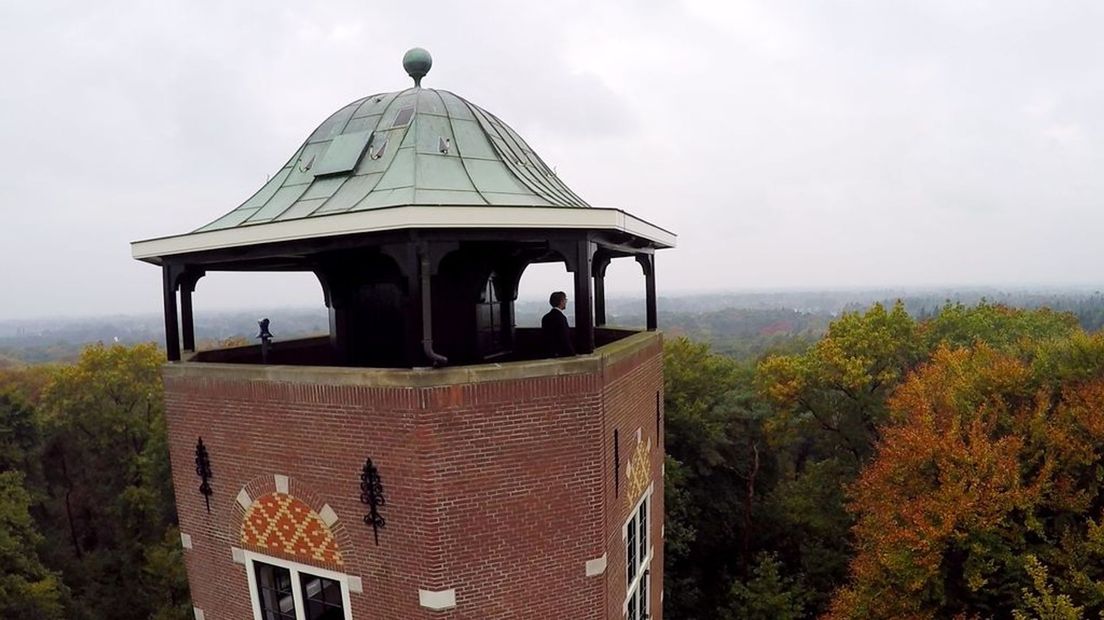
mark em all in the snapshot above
pixel 558 300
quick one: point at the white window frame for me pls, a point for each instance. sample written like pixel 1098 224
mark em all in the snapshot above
pixel 643 565
pixel 295 569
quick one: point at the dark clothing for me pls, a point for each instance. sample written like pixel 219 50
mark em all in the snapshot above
pixel 557 334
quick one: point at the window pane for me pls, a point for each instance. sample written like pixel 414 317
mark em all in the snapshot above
pixel 644 595
pixel 630 550
pixel 322 597
pixel 274 590
pixel 642 517
pixel 632 609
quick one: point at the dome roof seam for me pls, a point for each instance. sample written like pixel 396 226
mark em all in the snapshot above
pixel 459 150
pixel 553 189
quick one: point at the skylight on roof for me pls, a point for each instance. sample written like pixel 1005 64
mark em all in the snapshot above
pixel 404 116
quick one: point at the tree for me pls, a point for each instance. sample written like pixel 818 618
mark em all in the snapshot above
pixel 27 588
pixel 1041 601
pixel 988 460
pixel 768 595
pixel 109 496
pixel 839 387
pixel 19 435
pixel 720 468
pixel 1012 330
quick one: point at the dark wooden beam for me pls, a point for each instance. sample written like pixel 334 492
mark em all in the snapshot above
pixel 584 321
pixel 601 262
pixel 187 283
pixel 647 263
pixel 187 324
pixel 169 275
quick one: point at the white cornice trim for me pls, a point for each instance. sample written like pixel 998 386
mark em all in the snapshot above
pixel 398 218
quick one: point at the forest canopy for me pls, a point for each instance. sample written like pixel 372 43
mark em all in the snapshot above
pixel 87 520
pixel 948 467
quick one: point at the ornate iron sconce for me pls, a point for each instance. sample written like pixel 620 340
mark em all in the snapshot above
pixel 371 493
pixel 203 470
pixel 266 339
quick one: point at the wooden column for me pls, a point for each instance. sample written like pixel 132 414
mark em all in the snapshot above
pixel 187 324
pixel 601 262
pixel 647 263
pixel 169 275
pixel 584 321
pixel 408 258
pixel 506 288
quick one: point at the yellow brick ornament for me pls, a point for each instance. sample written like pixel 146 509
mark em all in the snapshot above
pixel 639 471
pixel 278 522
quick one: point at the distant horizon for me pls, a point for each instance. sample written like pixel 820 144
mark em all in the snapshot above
pixel 618 295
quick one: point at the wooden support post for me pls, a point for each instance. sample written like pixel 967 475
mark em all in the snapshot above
pixel 584 319
pixel 647 262
pixel 601 262
pixel 187 324
pixel 169 275
pixel 408 257
pixel 506 289
pixel 599 301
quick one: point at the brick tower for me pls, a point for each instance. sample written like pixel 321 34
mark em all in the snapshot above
pixel 425 458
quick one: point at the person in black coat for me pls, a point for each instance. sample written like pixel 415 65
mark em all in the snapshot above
pixel 554 327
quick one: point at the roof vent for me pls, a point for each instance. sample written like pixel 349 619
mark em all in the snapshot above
pixel 379 151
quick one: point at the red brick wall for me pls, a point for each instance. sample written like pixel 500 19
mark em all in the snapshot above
pixel 499 489
pixel 630 399
pixel 319 436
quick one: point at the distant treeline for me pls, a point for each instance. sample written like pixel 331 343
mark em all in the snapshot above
pixel 61 339
pixel 742 325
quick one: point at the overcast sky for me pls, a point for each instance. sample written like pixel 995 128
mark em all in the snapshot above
pixel 817 144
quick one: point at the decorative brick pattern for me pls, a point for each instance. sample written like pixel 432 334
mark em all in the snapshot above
pixel 282 523
pixel 639 471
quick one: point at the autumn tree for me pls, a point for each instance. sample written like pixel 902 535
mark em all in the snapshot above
pixel 835 392
pixel 990 459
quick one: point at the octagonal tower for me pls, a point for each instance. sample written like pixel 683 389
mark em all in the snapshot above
pixel 426 458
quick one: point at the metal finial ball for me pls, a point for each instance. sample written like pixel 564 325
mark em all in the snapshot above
pixel 417 63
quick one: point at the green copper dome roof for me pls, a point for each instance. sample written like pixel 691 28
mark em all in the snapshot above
pixel 416 147
pixel 409 160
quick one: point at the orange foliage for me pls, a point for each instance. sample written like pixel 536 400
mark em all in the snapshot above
pixel 976 450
